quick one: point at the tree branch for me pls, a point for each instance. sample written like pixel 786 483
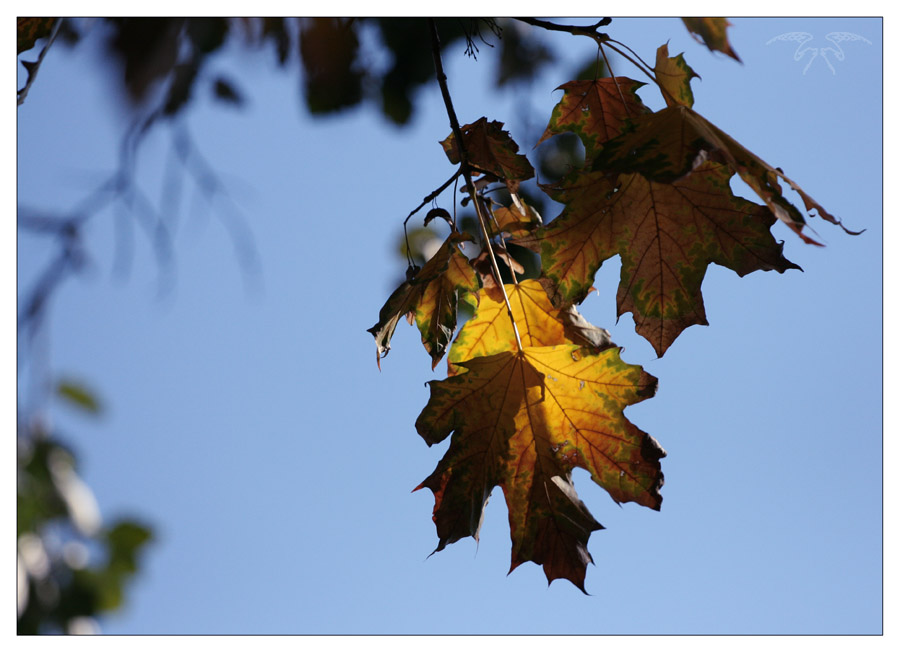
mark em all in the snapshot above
pixel 466 169
pixel 590 31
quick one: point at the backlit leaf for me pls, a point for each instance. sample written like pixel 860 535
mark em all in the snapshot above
pixel 431 297
pixel 490 331
pixel 674 77
pixel 666 234
pixel 523 421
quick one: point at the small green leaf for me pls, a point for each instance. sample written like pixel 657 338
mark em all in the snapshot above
pixel 79 396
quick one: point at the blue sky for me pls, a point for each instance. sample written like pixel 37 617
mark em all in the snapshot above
pixel 249 424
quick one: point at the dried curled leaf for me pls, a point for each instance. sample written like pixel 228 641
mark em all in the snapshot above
pixel 431 297
pixel 491 149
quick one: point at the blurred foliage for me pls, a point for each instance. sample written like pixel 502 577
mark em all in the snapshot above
pixel 345 61
pixel 79 395
pixel 70 568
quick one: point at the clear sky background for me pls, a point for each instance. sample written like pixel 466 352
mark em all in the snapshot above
pixel 246 420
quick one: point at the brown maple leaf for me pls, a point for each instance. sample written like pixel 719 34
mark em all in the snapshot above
pixel 667 234
pixel 667 145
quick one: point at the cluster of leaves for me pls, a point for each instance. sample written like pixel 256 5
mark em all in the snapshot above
pixel 533 390
pixel 162 66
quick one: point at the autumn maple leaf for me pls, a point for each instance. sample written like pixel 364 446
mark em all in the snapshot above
pixel 539 323
pixel 668 145
pixel 666 234
pixel 523 421
pixel 596 110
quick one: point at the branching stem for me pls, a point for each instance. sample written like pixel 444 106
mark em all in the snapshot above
pixel 466 169
pixel 428 199
pixel 591 32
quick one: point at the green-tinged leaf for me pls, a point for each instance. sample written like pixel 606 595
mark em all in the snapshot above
pixel 491 149
pixel 711 32
pixel 596 110
pixel 523 421
pixel 674 77
pixel 666 234
pixel 79 395
pixel 667 145
pixel 431 298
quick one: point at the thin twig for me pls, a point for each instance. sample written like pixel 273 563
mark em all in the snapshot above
pixel 425 201
pixel 590 31
pixel 643 67
pixel 465 168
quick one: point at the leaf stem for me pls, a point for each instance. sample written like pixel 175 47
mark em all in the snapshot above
pixel 643 67
pixel 466 169
pixel 615 81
